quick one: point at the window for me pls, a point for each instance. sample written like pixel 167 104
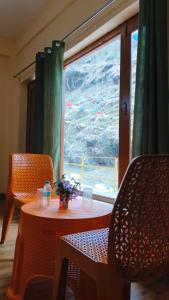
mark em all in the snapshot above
pixel 97 123
pixel 134 42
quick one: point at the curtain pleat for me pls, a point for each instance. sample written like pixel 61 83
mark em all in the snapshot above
pixel 37 144
pixel 150 130
pixel 53 73
pixel 49 72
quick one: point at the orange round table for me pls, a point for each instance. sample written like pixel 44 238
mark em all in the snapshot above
pixel 37 237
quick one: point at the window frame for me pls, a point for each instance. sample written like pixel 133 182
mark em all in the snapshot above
pixel 125 89
pixel 124 30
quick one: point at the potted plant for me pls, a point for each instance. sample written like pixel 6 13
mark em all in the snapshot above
pixel 67 188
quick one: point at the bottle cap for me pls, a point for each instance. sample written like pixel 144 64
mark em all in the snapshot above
pixel 47 181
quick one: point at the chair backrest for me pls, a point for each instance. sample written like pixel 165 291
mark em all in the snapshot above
pixel 139 230
pixel 29 172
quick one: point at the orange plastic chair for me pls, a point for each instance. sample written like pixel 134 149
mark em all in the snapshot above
pixel 27 172
pixel 134 248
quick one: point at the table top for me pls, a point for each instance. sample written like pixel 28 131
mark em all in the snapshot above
pixel 78 209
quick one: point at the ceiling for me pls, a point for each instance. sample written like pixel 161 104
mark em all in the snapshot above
pixel 16 14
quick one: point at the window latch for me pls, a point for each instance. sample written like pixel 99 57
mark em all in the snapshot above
pixel 124 107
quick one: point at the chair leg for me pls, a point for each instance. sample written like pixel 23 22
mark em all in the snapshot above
pixel 127 290
pixel 103 288
pixel 60 280
pixel 87 288
pixel 112 290
pixel 8 214
pixel 102 293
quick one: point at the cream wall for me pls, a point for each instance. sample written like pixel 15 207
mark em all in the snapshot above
pixel 60 17
pixel 56 20
pixel 6 112
pixel 5 115
pixel 12 103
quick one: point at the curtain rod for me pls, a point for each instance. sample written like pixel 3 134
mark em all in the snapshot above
pixel 86 21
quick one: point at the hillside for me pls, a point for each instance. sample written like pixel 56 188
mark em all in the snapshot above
pixel 92 107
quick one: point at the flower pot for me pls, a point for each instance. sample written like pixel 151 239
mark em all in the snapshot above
pixel 64 201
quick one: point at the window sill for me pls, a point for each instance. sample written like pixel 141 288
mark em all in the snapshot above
pixel 108 199
pixel 111 198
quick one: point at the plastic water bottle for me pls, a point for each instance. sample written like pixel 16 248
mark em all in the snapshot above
pixel 47 193
pixel 39 199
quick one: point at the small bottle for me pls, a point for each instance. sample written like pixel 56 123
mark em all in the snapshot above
pixel 47 193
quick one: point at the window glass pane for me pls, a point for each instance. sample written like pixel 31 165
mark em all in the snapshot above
pixel 134 42
pixel 91 125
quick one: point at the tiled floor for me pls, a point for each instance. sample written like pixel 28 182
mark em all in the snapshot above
pixel 155 290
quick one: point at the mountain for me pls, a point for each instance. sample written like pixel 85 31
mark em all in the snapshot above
pixel 91 124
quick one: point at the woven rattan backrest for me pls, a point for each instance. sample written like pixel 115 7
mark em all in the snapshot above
pixel 139 231
pixel 29 171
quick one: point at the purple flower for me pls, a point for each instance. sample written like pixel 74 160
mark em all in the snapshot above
pixel 68 186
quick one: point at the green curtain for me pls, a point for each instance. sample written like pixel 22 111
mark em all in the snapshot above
pixel 150 130
pixel 37 141
pixel 49 72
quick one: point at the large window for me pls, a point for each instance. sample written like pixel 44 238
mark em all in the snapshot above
pixel 134 42
pixel 97 123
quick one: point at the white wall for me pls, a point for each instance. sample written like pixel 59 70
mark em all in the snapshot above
pixel 54 22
